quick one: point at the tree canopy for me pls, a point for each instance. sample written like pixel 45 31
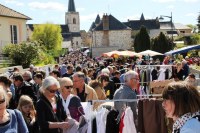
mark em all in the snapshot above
pixel 22 54
pixel 142 40
pixel 198 19
pixel 162 44
pixel 49 35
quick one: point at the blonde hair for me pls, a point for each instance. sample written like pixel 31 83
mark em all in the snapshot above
pixel 64 81
pixel 25 100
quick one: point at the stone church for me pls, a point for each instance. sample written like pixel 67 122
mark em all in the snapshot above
pixel 70 30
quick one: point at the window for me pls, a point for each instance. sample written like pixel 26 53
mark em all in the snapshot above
pixel 74 21
pixel 13 33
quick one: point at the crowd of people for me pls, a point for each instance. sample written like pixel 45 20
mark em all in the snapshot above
pixel 35 103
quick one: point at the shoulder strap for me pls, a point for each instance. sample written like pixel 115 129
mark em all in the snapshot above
pixel 197 117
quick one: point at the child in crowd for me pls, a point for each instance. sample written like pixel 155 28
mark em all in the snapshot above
pixel 29 113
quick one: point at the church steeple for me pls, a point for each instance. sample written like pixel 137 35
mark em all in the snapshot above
pixel 142 17
pixel 71 6
pixel 72 18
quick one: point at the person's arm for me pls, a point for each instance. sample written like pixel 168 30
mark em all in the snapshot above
pixel 62 125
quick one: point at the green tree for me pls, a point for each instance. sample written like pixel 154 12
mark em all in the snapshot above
pixel 142 40
pixel 22 54
pixel 198 20
pixel 49 35
pixel 162 44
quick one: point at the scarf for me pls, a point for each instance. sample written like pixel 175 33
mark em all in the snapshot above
pixel 183 119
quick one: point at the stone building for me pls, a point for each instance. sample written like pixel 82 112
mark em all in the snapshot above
pixel 110 32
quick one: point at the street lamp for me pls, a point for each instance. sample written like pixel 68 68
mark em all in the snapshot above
pixel 161 18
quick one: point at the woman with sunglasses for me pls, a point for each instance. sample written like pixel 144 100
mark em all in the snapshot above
pixel 50 112
pixel 11 121
pixel 71 103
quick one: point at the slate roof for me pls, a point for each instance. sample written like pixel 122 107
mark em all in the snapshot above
pixel 64 28
pixel 64 31
pixel 92 26
pixel 68 36
pixel 8 12
pixel 97 21
pixel 114 24
pixel 142 17
pixel 71 6
pixel 149 24
pixel 30 26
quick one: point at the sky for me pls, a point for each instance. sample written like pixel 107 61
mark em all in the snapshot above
pixel 53 11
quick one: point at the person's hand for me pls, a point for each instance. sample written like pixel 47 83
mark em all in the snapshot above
pixel 64 125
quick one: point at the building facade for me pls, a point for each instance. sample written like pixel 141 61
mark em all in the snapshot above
pixel 110 32
pixel 12 26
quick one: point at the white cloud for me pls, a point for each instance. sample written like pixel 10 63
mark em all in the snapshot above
pixel 135 17
pixel 90 17
pixel 170 7
pixel 189 1
pixel 164 1
pixel 48 6
pixel 192 15
pixel 80 9
pixel 17 3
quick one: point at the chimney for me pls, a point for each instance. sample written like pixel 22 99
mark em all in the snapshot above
pixel 105 22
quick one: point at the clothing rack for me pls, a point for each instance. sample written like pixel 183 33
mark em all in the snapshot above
pixel 126 100
pixel 119 100
pixel 153 65
pixel 149 66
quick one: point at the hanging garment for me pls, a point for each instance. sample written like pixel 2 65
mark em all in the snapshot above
pixel 153 117
pixel 161 74
pixel 140 117
pixel 89 114
pixel 154 74
pixel 121 125
pixel 129 125
pixel 101 120
pixel 111 121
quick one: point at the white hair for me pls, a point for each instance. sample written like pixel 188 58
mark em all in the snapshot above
pixel 129 75
pixel 64 81
pixel 28 73
pixel 105 70
pixel 48 81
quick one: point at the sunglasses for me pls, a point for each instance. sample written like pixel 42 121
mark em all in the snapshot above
pixel 69 87
pixel 52 91
pixel 2 101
